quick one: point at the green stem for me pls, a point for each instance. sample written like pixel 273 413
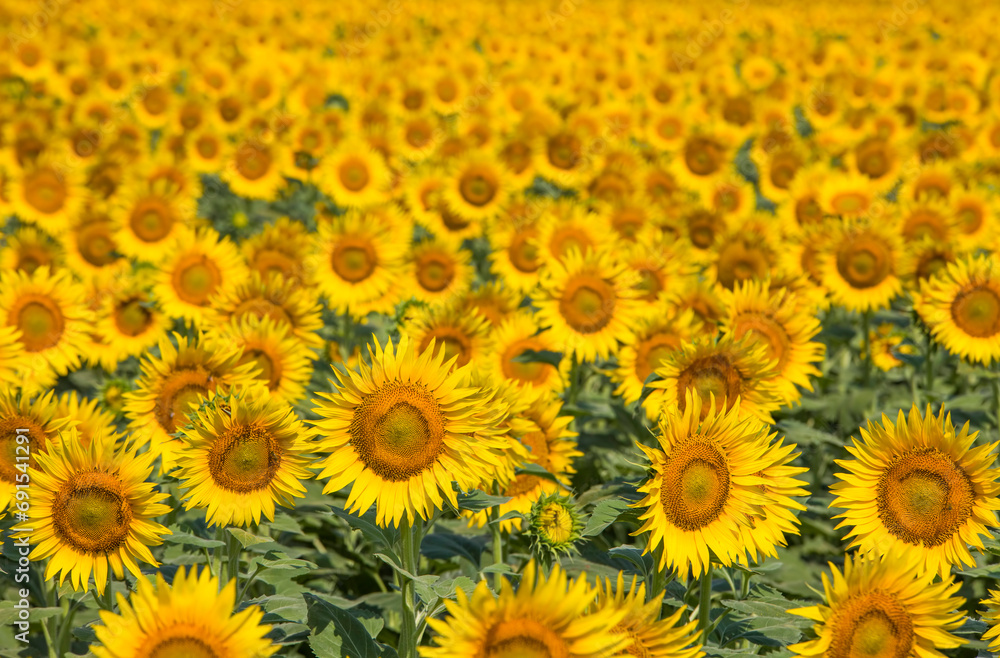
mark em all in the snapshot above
pixel 929 367
pixel 246 585
pixel 745 586
pixel 995 385
pixel 48 640
pixel 866 356
pixel 217 551
pixel 497 539
pixel 109 596
pixel 63 642
pixel 233 547
pixel 408 630
pixel 705 604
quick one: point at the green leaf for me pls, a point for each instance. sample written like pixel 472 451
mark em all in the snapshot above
pixel 247 539
pixel 537 470
pixel 476 500
pixel 337 633
pixel 446 588
pixel 445 545
pixel 9 613
pixel 539 356
pixel 191 540
pixel 605 513
pixel 387 537
pixel 285 523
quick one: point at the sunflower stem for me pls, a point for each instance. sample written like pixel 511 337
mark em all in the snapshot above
pixel 408 630
pixel 109 596
pixel 705 604
pixel 995 385
pixel 62 640
pixel 233 553
pixel 929 367
pixel 217 560
pixel 866 356
pixel 497 538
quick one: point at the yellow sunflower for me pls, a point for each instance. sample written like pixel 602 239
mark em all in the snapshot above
pixel 702 159
pixel 928 218
pixel 13 358
pixel 48 310
pixel 207 151
pixel 242 454
pixel 173 383
pixel 440 270
pixel 961 307
pixel 919 488
pixel 358 262
pixel 355 175
pixel 656 266
pixel 859 265
pixel 281 248
pixel 992 617
pixel 86 415
pixel 42 420
pixel 475 187
pixel 733 370
pixel 744 253
pixel 567 225
pixel 974 210
pixel 846 195
pixel 516 256
pixel 91 248
pixel 284 361
pixel 196 267
pixel 546 616
pixel 128 319
pixel 191 617
pixel 648 635
pixel 254 169
pixel 924 259
pixel 656 337
pixel 47 193
pixel 511 339
pixel 453 331
pixel 493 301
pixel 535 422
pixel 149 220
pixel 28 248
pixel 703 485
pixel 588 302
pixel 780 321
pixel 886 343
pixel 272 296
pixel 882 607
pixel 402 429
pixel 91 508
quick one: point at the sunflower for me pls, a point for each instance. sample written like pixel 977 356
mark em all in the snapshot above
pixel 173 383
pixel 656 337
pixel 401 430
pixel 475 188
pixel 191 617
pixel 744 253
pixel 992 616
pixel 973 209
pixel 149 221
pixel 358 261
pixel 919 488
pixel 12 355
pixel 439 270
pixel 567 225
pixel 778 320
pixel 859 265
pixel 42 420
pixel 555 524
pixel 28 248
pixel 588 303
pixel 656 266
pixel 91 508
pixel 421 193
pixel 284 361
pixel 91 248
pixel 802 209
pixel 547 616
pixel 453 332
pixel 275 297
pixel 516 257
pixel 281 248
pixel 561 156
pixel 886 343
pixel 704 484
pixel 47 193
pixel 242 454
pixel 492 300
pixel 537 424
pixel 961 307
pixel 355 175
pixel 695 293
pixel 847 195
pixel 86 415
pixel 877 158
pixel 48 310
pixel 935 180
pixel 882 607
pixel 254 169
pixel 928 218
pixel 196 267
pixel 207 151
pixel 702 159
pixel 648 635
pixel 512 338
pixel 128 319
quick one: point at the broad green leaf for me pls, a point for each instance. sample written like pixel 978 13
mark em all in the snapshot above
pixel 605 513
pixel 190 540
pixel 446 545
pixel 337 633
pixel 387 537
pixel 476 500
pixel 247 539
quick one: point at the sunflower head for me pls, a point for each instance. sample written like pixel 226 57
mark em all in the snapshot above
pixel 554 524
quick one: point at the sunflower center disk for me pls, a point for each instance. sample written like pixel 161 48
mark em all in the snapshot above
pixel 244 459
pixel 183 390
pixel 588 304
pixel 874 625
pixel 924 498
pixel 651 353
pixel 41 324
pixel 767 332
pixel 354 260
pixel 182 647
pixel 524 254
pixel 977 312
pixel 531 371
pixel 195 282
pixel 96 245
pixel 702 156
pixel 150 221
pixel 477 189
pixel 556 523
pixel 398 431
pixel 435 273
pixel 354 175
pixel 863 265
pixel 8 445
pixel 45 191
pixel 253 164
pixel 523 638
pixel 713 375
pixel 132 318
pixel 695 486
pixel 91 512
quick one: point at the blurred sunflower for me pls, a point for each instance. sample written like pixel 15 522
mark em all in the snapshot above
pixel 516 257
pixel 511 341
pixel 778 320
pixel 270 296
pixel 440 270
pixel 703 484
pixel 86 415
pixel 588 303
pixel 730 369
pixel 567 225
pixel 859 265
pixel 475 188
pixel 12 355
pixel 961 307
pixel 129 320
pixel 28 248
pixel 91 248
pixel 149 221
pixel 919 489
pixel 281 248
pixel 548 613
pixel 47 193
pixel 254 169
pixel 355 175
pixel 881 606
pixel 648 635
pixel 196 267
pixel 41 417
pixel 283 360
pixel 454 333
pixel 243 453
pixel 92 508
pixel 192 617
pixel 174 383
pixel 401 430
pixel 656 337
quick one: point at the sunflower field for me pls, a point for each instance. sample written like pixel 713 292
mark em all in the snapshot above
pixel 499 329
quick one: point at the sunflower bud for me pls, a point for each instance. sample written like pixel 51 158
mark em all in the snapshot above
pixel 554 524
